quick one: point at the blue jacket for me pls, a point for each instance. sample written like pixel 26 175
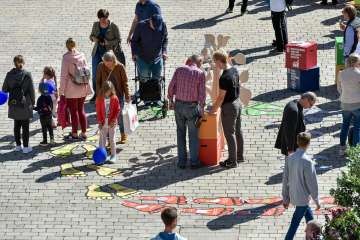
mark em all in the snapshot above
pixel 177 237
pixel 149 44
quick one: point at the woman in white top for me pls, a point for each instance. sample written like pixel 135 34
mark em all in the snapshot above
pixel 349 88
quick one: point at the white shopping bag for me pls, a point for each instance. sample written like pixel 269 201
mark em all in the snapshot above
pixel 130 119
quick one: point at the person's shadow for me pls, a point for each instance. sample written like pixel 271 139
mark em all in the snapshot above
pixel 204 23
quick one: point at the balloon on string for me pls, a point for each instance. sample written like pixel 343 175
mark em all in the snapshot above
pixel 52 87
pixel 3 97
pixel 100 155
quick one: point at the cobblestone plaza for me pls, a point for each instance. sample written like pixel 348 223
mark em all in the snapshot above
pixel 38 200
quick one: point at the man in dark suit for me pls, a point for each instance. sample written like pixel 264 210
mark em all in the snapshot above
pixel 293 123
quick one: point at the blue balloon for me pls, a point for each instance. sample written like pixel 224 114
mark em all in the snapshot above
pixel 52 87
pixel 100 155
pixel 3 97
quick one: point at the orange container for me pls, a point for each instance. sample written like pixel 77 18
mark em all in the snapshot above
pixel 337 70
pixel 210 150
pixel 210 126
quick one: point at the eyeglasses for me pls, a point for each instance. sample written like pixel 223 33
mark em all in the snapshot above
pixel 311 105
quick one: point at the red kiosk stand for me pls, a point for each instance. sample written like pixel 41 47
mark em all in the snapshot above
pixel 301 61
pixel 301 56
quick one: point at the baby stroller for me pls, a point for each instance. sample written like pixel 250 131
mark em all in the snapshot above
pixel 151 89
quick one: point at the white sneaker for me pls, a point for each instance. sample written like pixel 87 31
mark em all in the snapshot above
pixel 18 148
pixel 27 149
pixel 342 152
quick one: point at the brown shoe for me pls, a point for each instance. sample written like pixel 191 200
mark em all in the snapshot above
pixel 123 138
pixel 108 147
pixel 196 166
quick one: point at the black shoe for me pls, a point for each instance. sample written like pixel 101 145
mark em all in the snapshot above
pixel 93 99
pixel 182 167
pixel 275 51
pixel 274 44
pixel 244 12
pixel 229 10
pixel 196 166
pixel 274 41
pixel 43 143
pixel 228 164
pixel 324 3
pixel 240 159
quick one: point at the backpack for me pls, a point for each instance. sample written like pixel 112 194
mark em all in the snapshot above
pixel 288 4
pixel 82 75
pixel 17 96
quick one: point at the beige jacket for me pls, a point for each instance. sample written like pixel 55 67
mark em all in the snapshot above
pixel 112 36
pixel 349 85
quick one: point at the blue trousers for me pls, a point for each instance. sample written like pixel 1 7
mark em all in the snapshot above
pixel 347 115
pixel 95 63
pixel 185 115
pixel 299 213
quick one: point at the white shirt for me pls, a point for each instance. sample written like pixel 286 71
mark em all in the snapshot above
pixel 277 5
pixel 357 50
pixel 107 111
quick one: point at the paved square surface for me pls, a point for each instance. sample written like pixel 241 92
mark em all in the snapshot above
pixel 37 202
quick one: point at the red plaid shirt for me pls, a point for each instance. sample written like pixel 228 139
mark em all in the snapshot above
pixel 188 84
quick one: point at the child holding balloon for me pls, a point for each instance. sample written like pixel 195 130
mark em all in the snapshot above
pixel 108 109
pixel 44 108
pixel 49 76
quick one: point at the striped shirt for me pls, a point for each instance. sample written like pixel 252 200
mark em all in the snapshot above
pixel 188 84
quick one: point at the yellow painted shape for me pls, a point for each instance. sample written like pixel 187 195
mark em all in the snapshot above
pixel 89 150
pixel 124 192
pixel 104 171
pixel 79 132
pixel 93 139
pixel 63 152
pixel 95 192
pixel 68 170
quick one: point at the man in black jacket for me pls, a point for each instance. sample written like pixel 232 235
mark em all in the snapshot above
pixel 293 123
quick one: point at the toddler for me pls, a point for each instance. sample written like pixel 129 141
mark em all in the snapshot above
pixel 107 110
pixel 50 76
pixel 44 107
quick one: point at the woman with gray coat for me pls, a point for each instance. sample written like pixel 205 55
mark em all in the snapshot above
pixel 19 77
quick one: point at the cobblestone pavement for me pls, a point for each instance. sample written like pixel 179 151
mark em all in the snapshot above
pixel 38 203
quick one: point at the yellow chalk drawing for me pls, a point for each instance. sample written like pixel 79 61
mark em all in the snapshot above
pixel 104 171
pixel 79 132
pixel 95 192
pixel 63 152
pixel 68 170
pixel 124 192
pixel 90 150
pixel 93 139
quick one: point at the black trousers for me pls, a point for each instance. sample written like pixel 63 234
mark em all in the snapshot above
pixel 280 26
pixel 46 124
pixel 24 124
pixel 243 6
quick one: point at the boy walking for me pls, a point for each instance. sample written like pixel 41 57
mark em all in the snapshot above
pixel 44 107
pixel 300 182
pixel 170 218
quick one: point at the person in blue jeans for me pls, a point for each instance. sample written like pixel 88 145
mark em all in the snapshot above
pixel 299 183
pixel 188 86
pixel 149 46
pixel 349 87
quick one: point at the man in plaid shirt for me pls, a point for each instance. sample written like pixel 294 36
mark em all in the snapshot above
pixel 188 84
